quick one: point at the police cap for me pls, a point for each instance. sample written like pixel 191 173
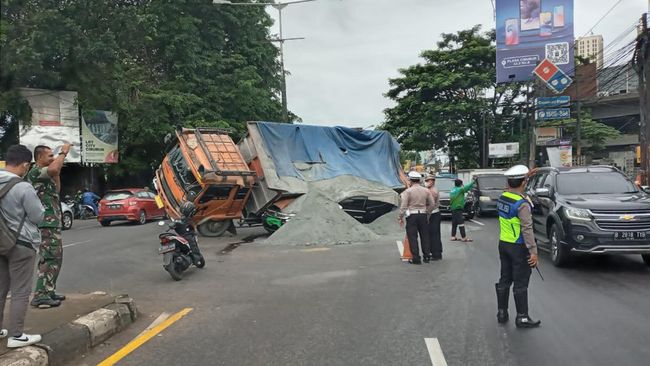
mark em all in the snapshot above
pixel 517 172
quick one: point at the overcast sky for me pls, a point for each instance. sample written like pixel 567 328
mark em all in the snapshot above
pixel 340 72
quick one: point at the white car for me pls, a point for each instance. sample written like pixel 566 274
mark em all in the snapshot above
pixel 66 216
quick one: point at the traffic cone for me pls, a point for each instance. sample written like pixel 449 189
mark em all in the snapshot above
pixel 406 254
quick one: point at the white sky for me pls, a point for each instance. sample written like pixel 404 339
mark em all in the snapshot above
pixel 340 72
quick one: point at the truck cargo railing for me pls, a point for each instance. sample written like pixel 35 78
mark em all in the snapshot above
pixel 216 136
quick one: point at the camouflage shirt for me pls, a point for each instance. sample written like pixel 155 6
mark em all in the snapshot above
pixel 47 192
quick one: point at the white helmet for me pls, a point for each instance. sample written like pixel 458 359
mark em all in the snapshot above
pixel 517 172
pixel 413 175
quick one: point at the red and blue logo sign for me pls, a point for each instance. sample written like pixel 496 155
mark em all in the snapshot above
pixel 554 78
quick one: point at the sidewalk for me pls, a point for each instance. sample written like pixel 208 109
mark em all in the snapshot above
pixel 42 321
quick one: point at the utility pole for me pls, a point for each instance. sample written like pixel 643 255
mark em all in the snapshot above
pixel 578 117
pixel 532 141
pixel 641 63
pixel 484 160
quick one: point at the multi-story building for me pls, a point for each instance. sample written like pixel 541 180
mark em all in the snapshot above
pixel 591 48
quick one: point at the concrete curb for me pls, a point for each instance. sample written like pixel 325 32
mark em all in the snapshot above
pixel 65 343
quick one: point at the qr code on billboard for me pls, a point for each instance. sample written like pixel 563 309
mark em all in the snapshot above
pixel 558 53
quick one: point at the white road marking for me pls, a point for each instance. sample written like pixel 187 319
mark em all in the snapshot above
pixel 77 243
pixel 477 222
pixel 161 318
pixel 400 247
pixel 435 352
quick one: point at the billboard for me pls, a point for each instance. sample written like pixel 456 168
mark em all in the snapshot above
pixel 528 31
pixel 55 121
pixel 505 150
pixel 99 133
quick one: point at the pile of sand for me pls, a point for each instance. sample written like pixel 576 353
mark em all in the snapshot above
pixel 386 224
pixel 321 221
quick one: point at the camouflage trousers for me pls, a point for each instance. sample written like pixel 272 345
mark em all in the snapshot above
pixel 50 256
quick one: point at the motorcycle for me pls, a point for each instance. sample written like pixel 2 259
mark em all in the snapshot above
pixel 180 248
pixel 79 210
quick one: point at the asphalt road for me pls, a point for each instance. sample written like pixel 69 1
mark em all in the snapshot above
pixel 358 304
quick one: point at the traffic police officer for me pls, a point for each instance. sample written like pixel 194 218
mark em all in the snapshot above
pixel 517 248
pixel 416 205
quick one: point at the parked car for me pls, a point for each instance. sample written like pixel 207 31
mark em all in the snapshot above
pixel 445 185
pixel 486 192
pixel 365 210
pixel 591 210
pixel 129 204
pixel 67 216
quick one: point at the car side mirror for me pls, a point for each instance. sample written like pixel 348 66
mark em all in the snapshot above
pixel 543 192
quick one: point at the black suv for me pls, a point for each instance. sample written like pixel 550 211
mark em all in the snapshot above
pixel 444 186
pixel 486 192
pixel 593 210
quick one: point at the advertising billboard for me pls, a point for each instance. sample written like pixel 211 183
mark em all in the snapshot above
pixel 528 31
pixel 55 121
pixel 99 133
pixel 505 150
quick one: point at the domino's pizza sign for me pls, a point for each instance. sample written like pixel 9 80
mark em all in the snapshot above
pixel 529 31
pixel 553 76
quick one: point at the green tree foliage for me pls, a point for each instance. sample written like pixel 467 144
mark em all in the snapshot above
pixel 592 132
pixel 157 63
pixel 441 102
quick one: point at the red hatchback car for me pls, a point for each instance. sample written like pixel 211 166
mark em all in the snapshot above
pixel 129 204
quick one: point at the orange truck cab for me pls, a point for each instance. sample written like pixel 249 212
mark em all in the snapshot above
pixel 205 167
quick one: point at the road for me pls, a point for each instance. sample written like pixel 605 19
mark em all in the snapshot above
pixel 358 304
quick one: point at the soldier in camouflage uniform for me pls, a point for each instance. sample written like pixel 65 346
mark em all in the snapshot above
pixel 45 176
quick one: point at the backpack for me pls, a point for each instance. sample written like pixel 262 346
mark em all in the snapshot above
pixel 8 237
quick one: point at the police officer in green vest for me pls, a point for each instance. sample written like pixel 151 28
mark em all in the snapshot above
pixel 517 248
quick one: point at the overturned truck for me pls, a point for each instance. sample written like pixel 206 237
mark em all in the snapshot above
pixel 259 180
pixel 205 167
pixel 358 169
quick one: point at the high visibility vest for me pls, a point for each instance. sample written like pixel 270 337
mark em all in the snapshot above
pixel 509 223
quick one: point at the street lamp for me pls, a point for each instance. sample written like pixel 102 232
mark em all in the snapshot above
pixel 279 7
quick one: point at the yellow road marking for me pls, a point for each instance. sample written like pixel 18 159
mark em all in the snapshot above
pixel 144 338
pixel 314 250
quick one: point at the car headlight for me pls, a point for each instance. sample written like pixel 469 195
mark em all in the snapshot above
pixel 485 198
pixel 578 214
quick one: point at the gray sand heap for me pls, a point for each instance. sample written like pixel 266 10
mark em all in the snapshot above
pixel 386 224
pixel 320 221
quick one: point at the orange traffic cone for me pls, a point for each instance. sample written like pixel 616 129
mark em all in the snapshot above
pixel 406 254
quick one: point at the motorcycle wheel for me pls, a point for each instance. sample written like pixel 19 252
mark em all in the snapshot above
pixel 172 269
pixel 200 262
pixel 87 213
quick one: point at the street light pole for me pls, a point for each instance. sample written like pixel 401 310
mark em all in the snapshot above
pixel 279 7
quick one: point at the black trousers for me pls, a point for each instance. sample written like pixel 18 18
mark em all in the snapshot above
pixel 457 221
pixel 434 235
pixel 417 224
pixel 514 267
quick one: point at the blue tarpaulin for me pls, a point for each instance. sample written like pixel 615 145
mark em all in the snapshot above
pixel 316 152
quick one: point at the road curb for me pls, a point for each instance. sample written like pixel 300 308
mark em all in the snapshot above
pixel 65 343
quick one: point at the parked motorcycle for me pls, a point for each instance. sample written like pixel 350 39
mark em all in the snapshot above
pixel 179 244
pixel 79 210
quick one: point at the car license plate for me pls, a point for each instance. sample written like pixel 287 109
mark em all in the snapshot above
pixel 114 207
pixel 629 235
pixel 166 248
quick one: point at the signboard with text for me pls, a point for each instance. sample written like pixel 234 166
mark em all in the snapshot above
pixel 99 132
pixel 529 31
pixel 552 102
pixel 552 113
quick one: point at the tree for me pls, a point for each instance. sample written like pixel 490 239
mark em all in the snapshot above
pixel 592 131
pixel 158 64
pixel 441 102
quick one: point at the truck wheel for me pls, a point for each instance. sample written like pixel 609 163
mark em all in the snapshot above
pixel 559 253
pixel 646 259
pixel 214 228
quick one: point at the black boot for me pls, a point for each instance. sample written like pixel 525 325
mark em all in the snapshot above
pixel 502 303
pixel 521 302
